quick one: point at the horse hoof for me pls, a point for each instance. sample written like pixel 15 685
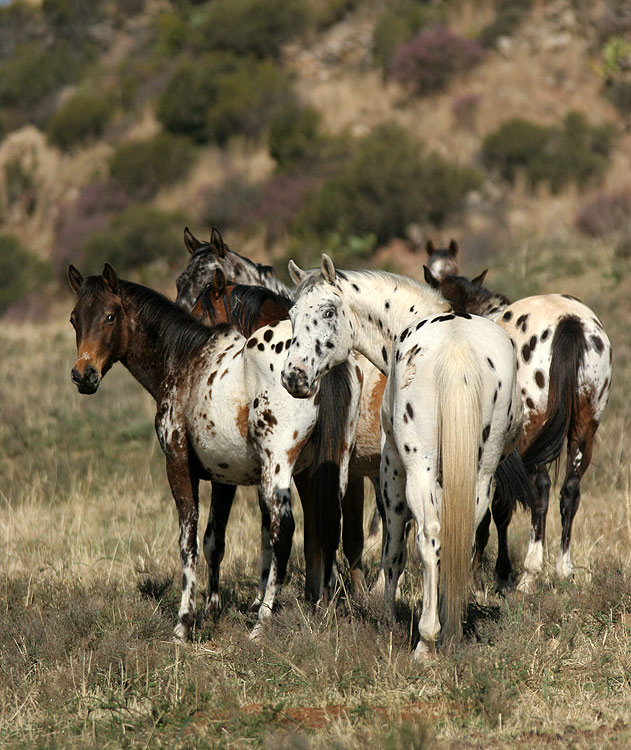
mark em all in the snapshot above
pixel 505 587
pixel 425 651
pixel 212 607
pixel 257 632
pixel 527 584
pixel 181 633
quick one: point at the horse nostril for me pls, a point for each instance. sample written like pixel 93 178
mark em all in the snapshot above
pixel 91 375
pixel 75 375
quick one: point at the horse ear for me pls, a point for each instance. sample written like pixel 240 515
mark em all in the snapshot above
pixel 295 272
pixel 74 277
pixel 327 269
pixel 453 248
pixel 191 242
pixel 216 240
pixel 219 284
pixel 110 278
pixel 479 280
pixel 430 279
pixel 429 247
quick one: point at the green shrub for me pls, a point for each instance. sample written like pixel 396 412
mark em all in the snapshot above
pixel 294 135
pixel 143 167
pixel 576 152
pixel 20 272
pixel 223 95
pixel 183 105
pixel 513 146
pixel 136 237
pixel 35 71
pixel 79 119
pixel 247 99
pixel 251 27
pixel 387 185
pixel 172 30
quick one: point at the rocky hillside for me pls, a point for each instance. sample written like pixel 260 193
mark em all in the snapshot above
pixel 358 126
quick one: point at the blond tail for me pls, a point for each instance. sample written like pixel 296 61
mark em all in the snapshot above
pixel 459 398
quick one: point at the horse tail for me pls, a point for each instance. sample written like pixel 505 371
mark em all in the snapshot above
pixel 329 446
pixel 459 399
pixel 567 356
pixel 511 483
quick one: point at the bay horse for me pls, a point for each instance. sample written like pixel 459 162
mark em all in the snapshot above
pixel 450 412
pixel 222 415
pixel 564 360
pixel 208 257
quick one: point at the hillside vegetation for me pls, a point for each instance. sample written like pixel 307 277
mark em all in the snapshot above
pixel 343 125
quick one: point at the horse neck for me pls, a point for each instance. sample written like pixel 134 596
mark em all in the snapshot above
pixel 245 271
pixel 384 305
pixel 147 354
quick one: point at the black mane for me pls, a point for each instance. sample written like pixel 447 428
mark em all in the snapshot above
pixel 465 296
pixel 244 305
pixel 177 334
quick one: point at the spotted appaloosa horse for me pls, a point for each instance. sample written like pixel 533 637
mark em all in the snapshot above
pixel 451 410
pixel 248 308
pixel 205 259
pixel 222 415
pixel 564 363
pixel 442 261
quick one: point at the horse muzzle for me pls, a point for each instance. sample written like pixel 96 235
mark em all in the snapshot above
pixel 294 380
pixel 87 381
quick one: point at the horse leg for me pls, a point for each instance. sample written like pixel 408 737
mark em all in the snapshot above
pixel 215 540
pixel 312 546
pixel 579 456
pixel 277 494
pixel 392 479
pixel 533 564
pixel 353 531
pixel 184 483
pixel 266 553
pixel 424 498
pixel 375 530
pixel 481 540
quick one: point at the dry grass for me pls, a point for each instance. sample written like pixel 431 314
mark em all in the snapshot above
pixel 89 590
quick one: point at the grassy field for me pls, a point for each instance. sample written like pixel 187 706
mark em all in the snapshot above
pixel 89 588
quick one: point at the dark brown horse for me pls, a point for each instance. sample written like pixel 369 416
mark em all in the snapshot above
pixel 222 415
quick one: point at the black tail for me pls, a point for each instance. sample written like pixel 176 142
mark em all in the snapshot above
pixel 512 484
pixel 328 442
pixel 568 351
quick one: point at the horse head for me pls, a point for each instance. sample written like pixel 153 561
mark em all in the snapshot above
pixel 322 328
pixel 98 320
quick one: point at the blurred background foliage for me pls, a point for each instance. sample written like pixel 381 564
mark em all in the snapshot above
pixel 152 115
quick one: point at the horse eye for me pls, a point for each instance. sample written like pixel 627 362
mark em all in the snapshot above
pixel 110 318
pixel 327 314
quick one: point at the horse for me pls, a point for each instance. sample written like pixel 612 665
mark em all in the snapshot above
pixel 451 412
pixel 442 261
pixel 208 257
pixel 222 415
pixel 248 308
pixel 564 360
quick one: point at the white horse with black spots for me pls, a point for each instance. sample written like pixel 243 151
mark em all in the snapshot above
pixel 451 410
pixel 564 360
